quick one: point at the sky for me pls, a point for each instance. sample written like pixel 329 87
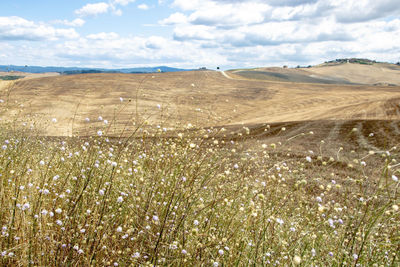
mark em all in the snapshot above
pixel 196 33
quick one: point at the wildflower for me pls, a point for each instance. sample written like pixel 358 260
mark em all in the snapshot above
pixel 83 230
pixel 215 264
pixel 58 211
pixel 308 158
pixel 184 251
pixel 105 121
pixel 394 178
pixel 87 119
pixel 121 99
pixel 119 229
pixel 236 166
pixel 100 118
pixel 280 221
pixel 26 206
pixel 136 255
pixel 158 106
pixel 59 222
pixel 101 192
pixel 192 145
pixel 221 252
pixel 44 212
pixel 46 191
pixel 4 147
pixel 395 207
pixel 183 178
pixel 296 260
pixel 355 256
pixel 155 218
pixel 120 199
pixel 196 222
pixel 54 120
pixel 41 162
pixel 99 133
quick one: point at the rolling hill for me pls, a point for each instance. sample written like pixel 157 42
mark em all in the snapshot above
pixel 206 98
pixel 330 73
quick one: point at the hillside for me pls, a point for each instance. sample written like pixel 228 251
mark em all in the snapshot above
pixel 330 73
pixel 80 70
pixel 204 98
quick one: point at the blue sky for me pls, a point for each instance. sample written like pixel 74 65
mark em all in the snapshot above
pixel 196 33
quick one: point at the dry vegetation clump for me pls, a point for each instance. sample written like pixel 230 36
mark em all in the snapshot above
pixel 193 197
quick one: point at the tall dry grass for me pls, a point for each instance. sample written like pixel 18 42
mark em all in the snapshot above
pixel 192 197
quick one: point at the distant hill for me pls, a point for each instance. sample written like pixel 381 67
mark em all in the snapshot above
pixel 77 70
pixel 339 71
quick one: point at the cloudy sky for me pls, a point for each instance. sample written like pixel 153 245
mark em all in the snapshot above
pixel 196 33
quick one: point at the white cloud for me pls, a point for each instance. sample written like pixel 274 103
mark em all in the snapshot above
pixel 143 7
pixel 233 33
pixel 102 8
pixel 175 18
pixel 122 2
pixel 18 29
pixel 74 23
pixel 103 36
pixel 93 9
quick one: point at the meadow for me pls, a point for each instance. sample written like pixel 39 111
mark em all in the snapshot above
pixel 140 192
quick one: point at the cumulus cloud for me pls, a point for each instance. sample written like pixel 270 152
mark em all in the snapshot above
pixel 135 51
pixel 74 23
pixel 103 36
pixel 291 29
pixel 143 7
pixel 233 33
pixel 175 18
pixel 102 8
pixel 93 9
pixel 123 2
pixel 19 29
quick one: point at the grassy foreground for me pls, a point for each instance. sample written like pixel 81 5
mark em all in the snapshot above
pixel 190 199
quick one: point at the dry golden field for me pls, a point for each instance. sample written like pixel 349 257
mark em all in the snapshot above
pixel 202 168
pixel 203 98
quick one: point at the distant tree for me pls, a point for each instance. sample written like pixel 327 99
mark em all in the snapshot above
pixel 217 68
